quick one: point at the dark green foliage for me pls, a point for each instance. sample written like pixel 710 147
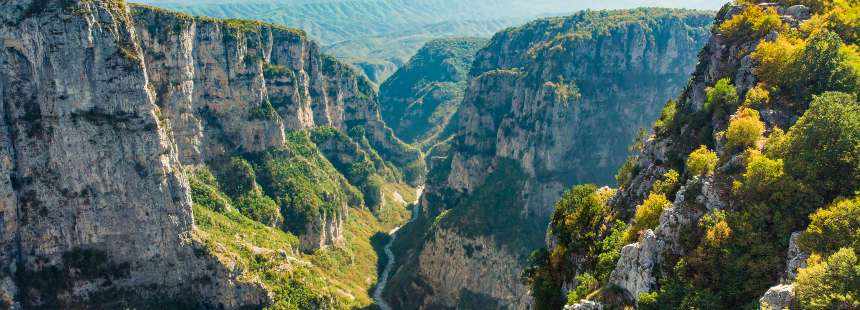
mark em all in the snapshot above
pixel 578 220
pixel 823 147
pixel 585 228
pixel 260 208
pixel 823 65
pixel 832 284
pixel 543 282
pixel 494 209
pixel 833 228
pixel 235 176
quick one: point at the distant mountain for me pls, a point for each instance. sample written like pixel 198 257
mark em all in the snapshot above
pixel 419 101
pixel 379 35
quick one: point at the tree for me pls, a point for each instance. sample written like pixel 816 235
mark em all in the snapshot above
pixel 745 129
pixel 702 162
pixel 823 147
pixel 834 227
pixel 648 215
pixel 825 64
pixel 833 284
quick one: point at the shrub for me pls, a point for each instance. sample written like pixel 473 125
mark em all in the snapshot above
pixel 761 171
pixel 578 219
pixel 722 95
pixel 260 208
pixel 648 215
pixel 610 251
pixel 744 131
pixel 668 185
pixel 204 191
pixel 586 284
pixel 757 97
pixel 752 23
pixel 776 59
pixel 833 284
pixel 663 125
pixel 823 147
pixel 626 172
pixel 702 162
pixel 236 177
pixel 834 227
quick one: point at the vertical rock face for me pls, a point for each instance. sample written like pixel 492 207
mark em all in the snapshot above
pixel 103 104
pixel 95 204
pixel 550 104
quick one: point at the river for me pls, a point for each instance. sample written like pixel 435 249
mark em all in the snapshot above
pixel 383 280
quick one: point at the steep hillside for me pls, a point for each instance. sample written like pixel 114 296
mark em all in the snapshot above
pixel 420 100
pixel 745 194
pixel 549 105
pixel 153 159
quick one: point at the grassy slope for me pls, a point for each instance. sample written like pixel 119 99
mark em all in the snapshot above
pixel 270 255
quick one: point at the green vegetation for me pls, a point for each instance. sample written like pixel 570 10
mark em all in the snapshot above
pixel 832 284
pixel 789 179
pixel 421 98
pixel 745 129
pixel 702 162
pixel 647 216
pixel 752 22
pixel 236 230
pixel 585 229
pixel 822 147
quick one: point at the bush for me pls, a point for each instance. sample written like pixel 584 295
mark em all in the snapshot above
pixel 823 147
pixel 722 95
pixel 236 177
pixel 762 172
pixel 776 59
pixel 833 284
pixel 663 125
pixel 626 172
pixel 256 206
pixel 205 193
pixel 744 131
pixel 586 284
pixel 648 215
pixel 578 219
pixel 610 251
pixel 752 23
pixel 825 64
pixel 757 97
pixel 669 185
pixel 702 162
pixel 834 227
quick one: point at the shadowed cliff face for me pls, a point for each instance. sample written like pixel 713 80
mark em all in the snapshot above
pixel 550 104
pixel 103 105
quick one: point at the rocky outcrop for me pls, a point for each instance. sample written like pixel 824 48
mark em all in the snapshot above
pixel 778 297
pixel 585 305
pixel 550 104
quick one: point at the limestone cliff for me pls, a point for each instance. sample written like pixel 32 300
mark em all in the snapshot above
pixel 549 104
pixel 104 104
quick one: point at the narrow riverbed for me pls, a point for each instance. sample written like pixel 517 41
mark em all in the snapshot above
pixel 383 280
